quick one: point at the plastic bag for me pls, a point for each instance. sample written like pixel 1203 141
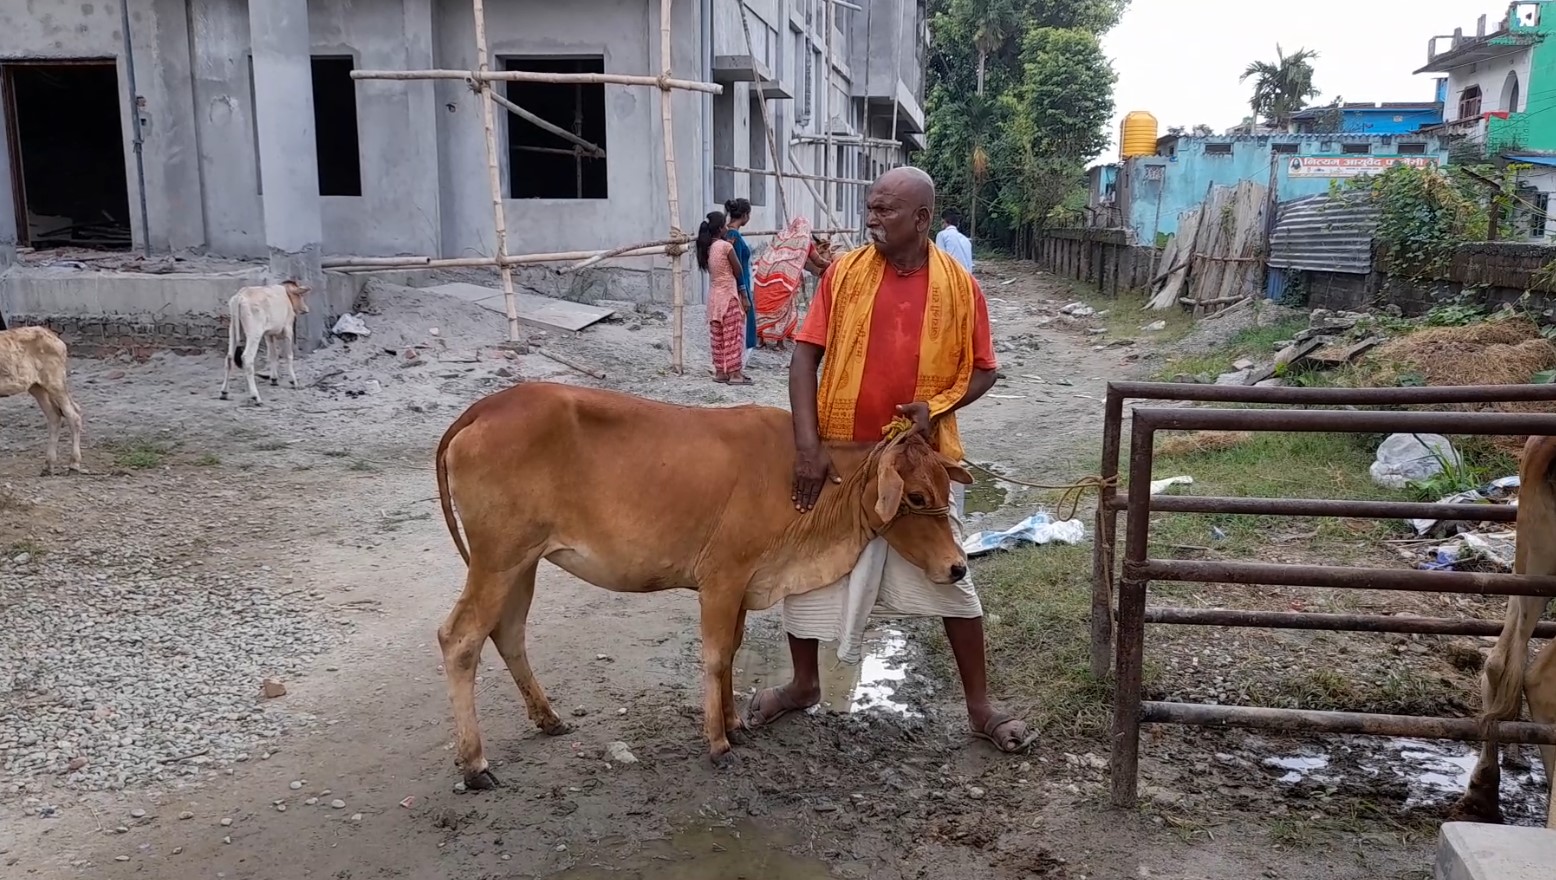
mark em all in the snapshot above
pixel 1403 458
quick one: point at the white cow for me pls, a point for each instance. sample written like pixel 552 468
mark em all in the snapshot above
pixel 267 312
pixel 33 359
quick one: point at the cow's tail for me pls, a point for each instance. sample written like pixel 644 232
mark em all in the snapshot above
pixel 444 497
pixel 1504 692
pixel 234 340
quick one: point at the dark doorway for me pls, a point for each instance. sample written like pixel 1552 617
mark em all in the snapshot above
pixel 335 126
pixel 540 164
pixel 67 154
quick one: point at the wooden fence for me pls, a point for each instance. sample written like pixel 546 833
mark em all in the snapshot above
pixel 1102 258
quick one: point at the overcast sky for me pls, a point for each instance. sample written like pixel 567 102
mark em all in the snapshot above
pixel 1180 59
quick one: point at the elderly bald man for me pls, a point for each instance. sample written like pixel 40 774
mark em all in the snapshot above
pixel 897 328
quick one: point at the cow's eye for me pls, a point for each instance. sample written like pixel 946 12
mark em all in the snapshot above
pixel 916 500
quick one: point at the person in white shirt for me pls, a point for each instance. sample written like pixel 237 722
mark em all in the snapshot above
pixel 952 241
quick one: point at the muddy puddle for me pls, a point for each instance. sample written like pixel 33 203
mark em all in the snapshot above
pixel 870 684
pixel 984 496
pixel 704 853
pixel 1430 773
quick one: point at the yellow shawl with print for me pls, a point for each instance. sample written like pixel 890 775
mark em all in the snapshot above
pixel 945 362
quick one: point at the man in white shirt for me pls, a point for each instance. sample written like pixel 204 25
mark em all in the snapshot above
pixel 952 241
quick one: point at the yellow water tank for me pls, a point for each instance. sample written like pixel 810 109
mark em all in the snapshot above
pixel 1139 136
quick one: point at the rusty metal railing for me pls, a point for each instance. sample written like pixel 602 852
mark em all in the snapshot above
pixel 1130 710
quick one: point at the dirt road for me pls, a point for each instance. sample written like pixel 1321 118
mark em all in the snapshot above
pixel 218 544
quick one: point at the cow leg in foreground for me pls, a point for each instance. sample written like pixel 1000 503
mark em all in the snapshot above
pixel 250 354
pixel 291 349
pixel 734 724
pixel 52 415
pixel 273 359
pixel 1501 698
pixel 494 605
pixel 509 639
pixel 1540 691
pixel 721 609
pixel 72 415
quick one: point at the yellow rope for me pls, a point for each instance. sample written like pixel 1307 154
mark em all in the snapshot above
pixel 1073 492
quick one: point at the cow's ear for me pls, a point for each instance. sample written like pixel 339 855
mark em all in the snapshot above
pixel 954 469
pixel 888 488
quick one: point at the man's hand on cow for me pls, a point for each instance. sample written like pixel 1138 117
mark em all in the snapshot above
pixel 812 470
pixel 918 411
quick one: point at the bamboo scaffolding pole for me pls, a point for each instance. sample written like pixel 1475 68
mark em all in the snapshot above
pixel 672 197
pixel 741 169
pixel 855 139
pixel 767 119
pixel 411 262
pixel 591 149
pixel 597 79
pixel 494 179
pixel 828 189
pixel 616 252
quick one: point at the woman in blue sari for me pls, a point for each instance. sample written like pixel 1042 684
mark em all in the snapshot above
pixel 737 213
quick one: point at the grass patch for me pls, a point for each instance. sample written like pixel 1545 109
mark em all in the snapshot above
pixel 1267 466
pixel 270 446
pixel 1254 343
pixel 335 453
pixel 363 466
pixel 28 546
pixel 140 454
pixel 1400 691
pixel 209 459
pixel 1041 644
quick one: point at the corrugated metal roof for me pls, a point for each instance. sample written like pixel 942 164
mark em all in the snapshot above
pixel 1325 233
pixel 1549 161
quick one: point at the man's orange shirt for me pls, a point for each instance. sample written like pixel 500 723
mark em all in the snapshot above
pixel 891 361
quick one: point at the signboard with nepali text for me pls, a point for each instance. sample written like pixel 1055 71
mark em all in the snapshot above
pixel 1352 166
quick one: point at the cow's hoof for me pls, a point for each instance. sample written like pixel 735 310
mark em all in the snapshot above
pixel 274 383
pixel 725 760
pixel 738 736
pixel 483 781
pixel 1475 809
pixel 557 727
pixel 48 471
pixel 224 395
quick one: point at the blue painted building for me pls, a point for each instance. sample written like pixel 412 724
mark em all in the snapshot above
pixel 1397 117
pixel 1154 190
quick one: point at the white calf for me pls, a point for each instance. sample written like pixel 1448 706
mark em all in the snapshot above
pixel 267 312
pixel 33 359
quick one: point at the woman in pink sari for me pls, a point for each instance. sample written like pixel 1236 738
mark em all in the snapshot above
pixel 776 277
pixel 727 303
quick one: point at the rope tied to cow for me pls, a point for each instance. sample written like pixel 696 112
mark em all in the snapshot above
pixel 1074 492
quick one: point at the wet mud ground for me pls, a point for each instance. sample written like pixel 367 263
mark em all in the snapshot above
pixel 326 492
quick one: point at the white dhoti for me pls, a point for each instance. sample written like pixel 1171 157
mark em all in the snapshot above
pixel 882 586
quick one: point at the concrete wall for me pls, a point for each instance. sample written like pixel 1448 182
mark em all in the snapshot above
pixel 1153 201
pixel 91 29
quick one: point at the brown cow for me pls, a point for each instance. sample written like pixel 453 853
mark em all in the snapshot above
pixel 35 360
pixel 638 496
pixel 1505 682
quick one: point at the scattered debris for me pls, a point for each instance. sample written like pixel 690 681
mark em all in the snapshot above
pixel 271 688
pixel 1162 485
pixel 618 753
pixel 1410 458
pixel 1039 528
pixel 1078 310
pixel 353 326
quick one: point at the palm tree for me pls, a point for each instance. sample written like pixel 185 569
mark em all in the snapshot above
pixel 1283 87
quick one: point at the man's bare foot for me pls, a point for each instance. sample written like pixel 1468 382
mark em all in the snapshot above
pixel 773 703
pixel 1005 732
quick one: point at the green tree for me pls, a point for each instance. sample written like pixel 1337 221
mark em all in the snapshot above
pixel 1281 87
pixel 1014 88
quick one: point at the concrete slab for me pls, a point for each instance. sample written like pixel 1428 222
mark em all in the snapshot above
pixel 1471 851
pixel 536 311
